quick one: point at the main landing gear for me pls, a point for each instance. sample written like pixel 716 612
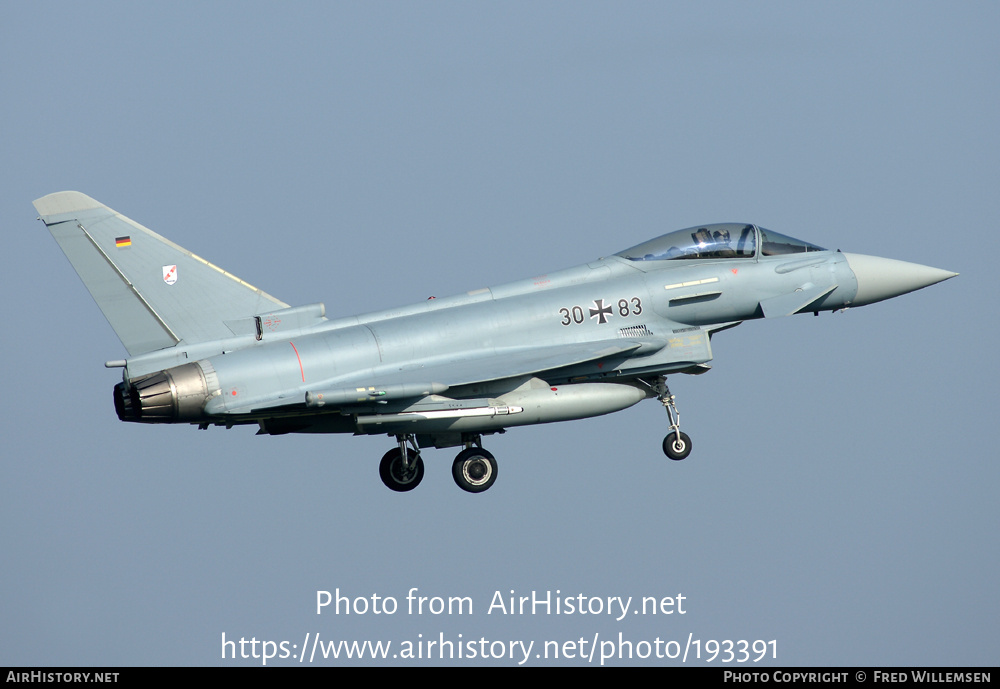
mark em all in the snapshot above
pixel 474 469
pixel 677 444
pixel 401 468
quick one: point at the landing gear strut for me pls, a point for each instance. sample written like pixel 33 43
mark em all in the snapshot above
pixel 401 469
pixel 677 444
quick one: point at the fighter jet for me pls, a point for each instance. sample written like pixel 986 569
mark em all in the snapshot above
pixel 206 348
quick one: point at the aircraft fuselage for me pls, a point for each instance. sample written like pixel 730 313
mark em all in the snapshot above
pixel 668 308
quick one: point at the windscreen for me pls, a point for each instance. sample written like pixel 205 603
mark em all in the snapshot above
pixel 776 244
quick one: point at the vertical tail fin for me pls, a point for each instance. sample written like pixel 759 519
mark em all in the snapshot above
pixel 154 293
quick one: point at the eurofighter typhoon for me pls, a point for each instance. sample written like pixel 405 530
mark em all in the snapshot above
pixel 206 348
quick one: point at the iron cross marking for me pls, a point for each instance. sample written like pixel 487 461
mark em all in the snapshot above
pixel 601 312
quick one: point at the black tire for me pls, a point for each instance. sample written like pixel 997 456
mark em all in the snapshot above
pixel 474 470
pixel 677 449
pixel 390 470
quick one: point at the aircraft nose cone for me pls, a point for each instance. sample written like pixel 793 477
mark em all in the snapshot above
pixel 885 278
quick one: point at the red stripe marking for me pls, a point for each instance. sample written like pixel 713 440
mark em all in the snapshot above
pixel 301 370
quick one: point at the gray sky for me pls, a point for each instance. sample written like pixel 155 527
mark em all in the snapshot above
pixel 840 498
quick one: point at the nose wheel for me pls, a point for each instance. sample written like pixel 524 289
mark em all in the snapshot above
pixel 677 445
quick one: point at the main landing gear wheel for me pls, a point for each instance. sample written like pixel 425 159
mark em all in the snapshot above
pixel 395 476
pixel 474 470
pixel 677 448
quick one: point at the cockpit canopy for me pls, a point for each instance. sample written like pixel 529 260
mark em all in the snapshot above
pixel 723 240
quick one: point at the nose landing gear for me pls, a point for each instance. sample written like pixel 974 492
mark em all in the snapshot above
pixel 677 444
